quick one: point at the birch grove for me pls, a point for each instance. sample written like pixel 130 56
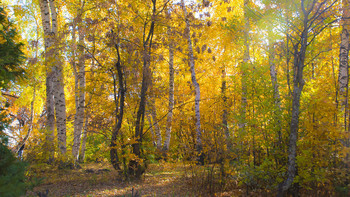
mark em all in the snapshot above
pixel 243 97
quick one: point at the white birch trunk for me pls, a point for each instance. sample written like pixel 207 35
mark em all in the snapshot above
pixel 194 80
pixel 79 97
pixel 171 94
pixel 155 124
pixel 54 81
pixel 50 109
pixel 60 101
pixel 60 109
pixel 344 70
pixel 83 143
pixel 152 132
pixel 344 56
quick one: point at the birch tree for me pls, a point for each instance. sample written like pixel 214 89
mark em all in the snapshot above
pixel 79 74
pixel 171 93
pixel 343 78
pixel 344 57
pixel 153 112
pixel 194 80
pixel 55 101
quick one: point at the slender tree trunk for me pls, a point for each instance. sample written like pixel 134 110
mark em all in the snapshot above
pixel 20 146
pixel 276 94
pixel 194 81
pixel 171 94
pixel 155 123
pixel 119 117
pixel 225 112
pixel 298 84
pixel 152 132
pixel 244 67
pixel 310 12
pixel 344 69
pixel 135 167
pixel 83 143
pixel 343 77
pixel 79 95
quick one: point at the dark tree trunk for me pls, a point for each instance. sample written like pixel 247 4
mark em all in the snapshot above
pixel 299 47
pixel 135 168
pixel 119 116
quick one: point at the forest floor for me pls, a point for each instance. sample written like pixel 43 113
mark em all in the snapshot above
pixel 100 179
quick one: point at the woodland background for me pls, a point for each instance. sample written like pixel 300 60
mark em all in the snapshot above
pixel 249 94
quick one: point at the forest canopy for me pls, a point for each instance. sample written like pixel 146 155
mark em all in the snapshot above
pixel 255 90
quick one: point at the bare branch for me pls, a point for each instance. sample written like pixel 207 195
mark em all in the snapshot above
pixel 10 95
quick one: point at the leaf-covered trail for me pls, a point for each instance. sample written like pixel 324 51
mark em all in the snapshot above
pixel 102 180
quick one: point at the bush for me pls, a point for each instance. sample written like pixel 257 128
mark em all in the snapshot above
pixel 12 173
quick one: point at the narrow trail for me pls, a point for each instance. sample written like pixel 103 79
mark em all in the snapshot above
pixel 102 180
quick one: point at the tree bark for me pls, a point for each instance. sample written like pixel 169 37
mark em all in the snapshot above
pixel 298 84
pixel 225 112
pixel 344 71
pixel 79 94
pixel 55 100
pixel 194 81
pixel 153 113
pixel 50 105
pixel 154 141
pixel 20 146
pixel 343 77
pixel 244 67
pixel 60 109
pixel 119 117
pixel 276 95
pixel 50 122
pixel 83 143
pixel 135 167
pixel 309 16
pixel 171 94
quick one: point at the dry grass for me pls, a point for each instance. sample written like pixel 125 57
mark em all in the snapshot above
pixel 164 179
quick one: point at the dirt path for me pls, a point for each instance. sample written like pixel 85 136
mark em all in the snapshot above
pixel 102 180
